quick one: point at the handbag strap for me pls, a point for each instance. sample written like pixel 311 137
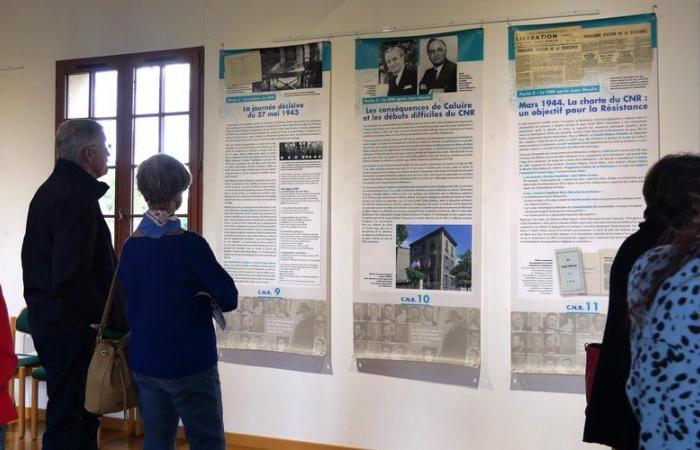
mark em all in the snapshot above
pixel 108 303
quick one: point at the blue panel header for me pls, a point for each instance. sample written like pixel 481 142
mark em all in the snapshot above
pixel 251 98
pixel 326 58
pixel 558 91
pixel 470 47
pixel 399 98
pixel 610 22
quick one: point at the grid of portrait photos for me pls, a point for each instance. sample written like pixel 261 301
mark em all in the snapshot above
pixel 553 343
pixel 276 324
pixel 417 333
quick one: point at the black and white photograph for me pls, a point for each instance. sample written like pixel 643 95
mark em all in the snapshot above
pixel 437 70
pixel 292 67
pixel 301 151
pixel 398 68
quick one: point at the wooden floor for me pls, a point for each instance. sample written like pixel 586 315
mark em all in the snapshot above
pixel 111 440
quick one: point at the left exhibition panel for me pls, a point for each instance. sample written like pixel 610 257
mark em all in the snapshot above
pixel 274 128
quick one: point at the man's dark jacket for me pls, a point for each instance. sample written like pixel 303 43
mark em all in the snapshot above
pixel 407 85
pixel 67 256
pixel 446 80
pixel 609 418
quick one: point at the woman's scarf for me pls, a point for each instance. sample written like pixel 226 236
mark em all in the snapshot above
pixel 156 223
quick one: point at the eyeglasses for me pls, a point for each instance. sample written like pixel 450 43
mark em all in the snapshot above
pixel 107 147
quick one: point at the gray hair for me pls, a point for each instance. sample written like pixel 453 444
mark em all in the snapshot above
pixel 74 135
pixel 162 179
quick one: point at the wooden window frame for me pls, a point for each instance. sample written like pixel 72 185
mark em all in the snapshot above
pixel 125 65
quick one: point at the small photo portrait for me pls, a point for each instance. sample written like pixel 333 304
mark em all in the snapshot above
pixel 319 346
pixel 258 306
pixel 360 331
pixel 566 323
pixel 320 328
pixel 320 308
pixel 291 67
pixel 282 343
pixel 566 365
pixel 551 344
pixel 401 332
pixel 283 307
pixel 599 323
pixel 247 322
pixel 455 321
pixel 517 321
pixel 387 350
pixel 374 314
pixel 247 304
pixel 474 339
pixel 301 151
pixel 438 65
pixel 518 343
pixel 374 331
pixel 359 311
pixel 400 350
pixel 398 73
pixel 535 343
pixel 256 341
pixel 551 323
pixel 258 323
pixel 270 309
pixel 518 362
pixel 583 323
pixel 551 364
pixel 428 353
pixel 535 322
pixel 401 314
pixel 373 348
pixel 235 322
pixel 429 315
pixel 245 341
pixel 415 314
pixel 388 331
pixel 473 319
pixel 388 313
pixel 360 348
pixel 534 362
pixel 472 357
pixel 567 344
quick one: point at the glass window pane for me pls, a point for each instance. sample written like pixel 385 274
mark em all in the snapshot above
pixel 78 95
pixel 106 94
pixel 107 200
pixel 176 87
pixel 145 138
pixel 176 137
pixel 147 90
pixel 110 224
pixel 185 199
pixel 110 128
pixel 184 222
pixel 139 205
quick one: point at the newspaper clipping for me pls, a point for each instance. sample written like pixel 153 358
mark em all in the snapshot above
pixel 274 110
pixel 585 117
pixel 417 276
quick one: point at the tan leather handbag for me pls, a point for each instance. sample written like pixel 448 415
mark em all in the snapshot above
pixel 110 387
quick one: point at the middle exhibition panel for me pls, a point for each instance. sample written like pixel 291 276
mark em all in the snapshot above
pixel 417 275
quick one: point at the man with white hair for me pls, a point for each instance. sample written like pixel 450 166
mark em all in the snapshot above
pixel 68 262
pixel 402 80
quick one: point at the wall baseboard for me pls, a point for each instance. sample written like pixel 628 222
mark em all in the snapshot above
pixel 243 440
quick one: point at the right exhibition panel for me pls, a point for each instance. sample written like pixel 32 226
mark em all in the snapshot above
pixel 585 126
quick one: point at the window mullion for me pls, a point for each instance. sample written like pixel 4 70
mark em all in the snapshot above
pixel 124 146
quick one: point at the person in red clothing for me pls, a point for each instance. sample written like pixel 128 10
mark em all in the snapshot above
pixel 8 365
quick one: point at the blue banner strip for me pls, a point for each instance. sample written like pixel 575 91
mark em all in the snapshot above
pixel 397 98
pixel 558 91
pixel 470 47
pixel 251 98
pixel 597 23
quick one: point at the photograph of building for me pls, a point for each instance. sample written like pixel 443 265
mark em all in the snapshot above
pixel 433 257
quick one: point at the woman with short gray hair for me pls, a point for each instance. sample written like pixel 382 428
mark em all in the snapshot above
pixel 164 270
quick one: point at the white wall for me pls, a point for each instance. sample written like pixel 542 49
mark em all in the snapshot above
pixel 346 408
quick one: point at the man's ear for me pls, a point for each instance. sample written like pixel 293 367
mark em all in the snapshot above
pixel 86 154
